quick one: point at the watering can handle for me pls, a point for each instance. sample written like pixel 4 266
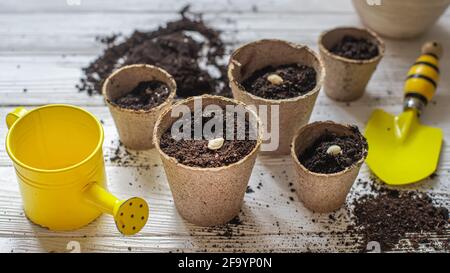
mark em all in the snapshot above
pixel 14 115
pixel 423 78
pixel 130 215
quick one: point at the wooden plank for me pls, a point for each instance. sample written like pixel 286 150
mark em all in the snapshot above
pixel 76 32
pixel 177 244
pixel 185 244
pixel 143 6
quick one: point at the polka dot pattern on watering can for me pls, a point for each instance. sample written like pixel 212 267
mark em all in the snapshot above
pixel 132 216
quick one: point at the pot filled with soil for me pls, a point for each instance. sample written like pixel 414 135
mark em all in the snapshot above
pixel 208 173
pixel 401 19
pixel 350 55
pixel 282 76
pixel 327 158
pixel 136 95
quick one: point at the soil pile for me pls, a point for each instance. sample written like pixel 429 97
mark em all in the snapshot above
pixel 189 50
pixel 389 215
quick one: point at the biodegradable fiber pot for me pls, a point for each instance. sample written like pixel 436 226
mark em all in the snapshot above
pixel 135 127
pixel 399 18
pixel 347 79
pixel 294 112
pixel 322 192
pixel 206 196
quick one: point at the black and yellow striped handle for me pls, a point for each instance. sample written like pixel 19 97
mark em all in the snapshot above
pixel 423 77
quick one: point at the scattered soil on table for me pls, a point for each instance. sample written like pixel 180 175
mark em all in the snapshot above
pixel 189 50
pixel 231 228
pixel 316 159
pixel 389 215
pixel 398 206
pixel 297 80
pixel 355 48
pixel 228 230
pixel 249 190
pixel 122 157
pixel 196 153
pixel 144 96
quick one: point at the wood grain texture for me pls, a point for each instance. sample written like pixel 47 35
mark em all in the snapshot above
pixel 44 47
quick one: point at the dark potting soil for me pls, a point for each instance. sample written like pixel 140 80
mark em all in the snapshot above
pixel 297 80
pixel 195 153
pixel 188 49
pixel 144 96
pixel 388 216
pixel 355 48
pixel 316 159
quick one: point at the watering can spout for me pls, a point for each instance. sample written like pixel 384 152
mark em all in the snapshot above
pixel 130 215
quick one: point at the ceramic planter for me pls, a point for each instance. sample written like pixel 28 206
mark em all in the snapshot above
pixel 206 196
pixel 347 79
pixel 401 19
pixel 293 112
pixel 322 192
pixel 135 127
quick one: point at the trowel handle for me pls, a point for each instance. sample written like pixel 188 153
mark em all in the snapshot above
pixel 423 77
pixel 130 215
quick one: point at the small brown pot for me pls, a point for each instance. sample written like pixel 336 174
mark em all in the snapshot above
pixel 347 79
pixel 294 112
pixel 206 196
pixel 135 127
pixel 322 192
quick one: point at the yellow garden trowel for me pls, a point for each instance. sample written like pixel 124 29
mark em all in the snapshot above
pixel 401 150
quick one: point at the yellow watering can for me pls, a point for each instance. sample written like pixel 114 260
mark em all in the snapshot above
pixel 401 150
pixel 58 158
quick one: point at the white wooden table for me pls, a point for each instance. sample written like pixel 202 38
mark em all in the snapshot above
pixel 44 44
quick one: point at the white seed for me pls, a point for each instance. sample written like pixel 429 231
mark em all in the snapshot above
pixel 275 79
pixel 334 150
pixel 216 144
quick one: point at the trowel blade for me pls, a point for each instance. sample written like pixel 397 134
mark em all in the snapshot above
pixel 401 150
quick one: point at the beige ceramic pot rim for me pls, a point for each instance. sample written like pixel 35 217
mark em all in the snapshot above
pixel 172 86
pixel 156 140
pixel 297 161
pixel 380 44
pixel 316 89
